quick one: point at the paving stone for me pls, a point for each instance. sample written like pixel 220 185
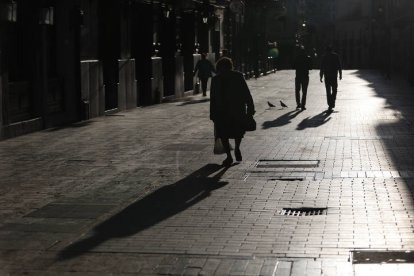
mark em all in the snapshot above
pixel 141 197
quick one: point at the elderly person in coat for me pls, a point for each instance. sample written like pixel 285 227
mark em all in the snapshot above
pixel 230 104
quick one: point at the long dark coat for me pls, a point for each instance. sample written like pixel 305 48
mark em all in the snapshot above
pixel 230 102
pixel 330 66
pixel 204 68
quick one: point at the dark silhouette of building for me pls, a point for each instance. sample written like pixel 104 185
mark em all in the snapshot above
pixel 65 61
pixel 376 34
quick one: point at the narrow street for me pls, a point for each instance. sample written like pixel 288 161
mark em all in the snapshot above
pixel 141 193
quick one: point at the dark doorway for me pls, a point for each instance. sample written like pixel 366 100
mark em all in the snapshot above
pixel 188 49
pixel 20 64
pixel 142 32
pixel 203 36
pixel 109 38
pixel 168 48
pixel 54 95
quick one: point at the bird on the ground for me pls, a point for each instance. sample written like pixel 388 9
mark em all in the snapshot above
pixel 283 104
pixel 270 104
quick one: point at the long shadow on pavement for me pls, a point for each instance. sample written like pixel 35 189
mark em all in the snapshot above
pixel 315 121
pixel 395 130
pixel 152 209
pixel 396 134
pixel 282 120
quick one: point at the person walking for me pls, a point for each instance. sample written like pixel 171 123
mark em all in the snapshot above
pixel 205 69
pixel 225 53
pixel 230 105
pixel 302 65
pixel 330 68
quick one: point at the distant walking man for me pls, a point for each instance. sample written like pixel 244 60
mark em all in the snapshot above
pixel 205 69
pixel 330 68
pixel 302 65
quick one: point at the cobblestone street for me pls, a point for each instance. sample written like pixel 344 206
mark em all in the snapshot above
pixel 141 193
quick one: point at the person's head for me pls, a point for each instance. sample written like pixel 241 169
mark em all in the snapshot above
pixel 224 65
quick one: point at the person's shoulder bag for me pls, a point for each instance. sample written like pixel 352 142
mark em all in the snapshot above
pixel 249 123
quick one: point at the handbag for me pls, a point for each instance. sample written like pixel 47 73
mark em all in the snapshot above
pixel 196 87
pixel 249 123
pixel 218 147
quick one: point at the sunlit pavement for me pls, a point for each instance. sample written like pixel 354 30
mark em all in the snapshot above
pixel 140 192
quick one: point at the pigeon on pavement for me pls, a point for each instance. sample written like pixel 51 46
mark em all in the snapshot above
pixel 283 104
pixel 270 104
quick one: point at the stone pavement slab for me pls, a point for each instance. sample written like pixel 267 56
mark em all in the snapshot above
pixel 142 193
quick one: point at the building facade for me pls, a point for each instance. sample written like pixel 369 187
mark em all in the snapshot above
pixel 376 34
pixel 69 60
pixel 39 70
pixel 65 61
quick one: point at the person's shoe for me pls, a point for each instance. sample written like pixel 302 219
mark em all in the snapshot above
pixel 204 94
pixel 298 106
pixel 238 155
pixel 227 162
pixel 303 108
pixel 330 110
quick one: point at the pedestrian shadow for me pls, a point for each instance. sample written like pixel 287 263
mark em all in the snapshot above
pixel 315 121
pixel 160 205
pixel 282 120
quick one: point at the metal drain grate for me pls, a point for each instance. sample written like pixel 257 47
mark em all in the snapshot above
pixel 80 160
pixel 287 164
pixel 298 212
pixel 381 257
pixel 287 179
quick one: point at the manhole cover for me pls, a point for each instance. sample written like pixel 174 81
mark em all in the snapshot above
pixel 379 257
pixel 287 164
pixel 298 212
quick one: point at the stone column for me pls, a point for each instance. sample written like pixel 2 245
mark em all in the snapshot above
pixel 196 58
pixel 1 87
pixel 157 81
pixel 92 87
pixel 179 76
pixel 1 79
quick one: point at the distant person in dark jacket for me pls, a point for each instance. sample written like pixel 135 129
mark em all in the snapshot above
pixel 302 65
pixel 205 69
pixel 330 68
pixel 225 53
pixel 230 103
